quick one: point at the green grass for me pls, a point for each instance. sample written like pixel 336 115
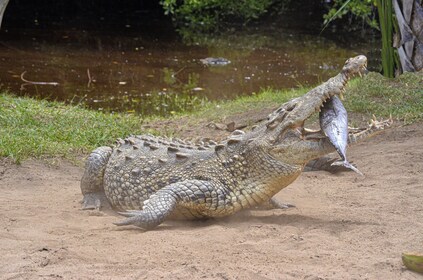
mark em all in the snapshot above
pixel 31 128
pixel 267 98
pixel 42 129
pixel 401 97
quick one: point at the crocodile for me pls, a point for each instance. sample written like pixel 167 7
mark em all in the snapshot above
pixel 215 61
pixel 152 179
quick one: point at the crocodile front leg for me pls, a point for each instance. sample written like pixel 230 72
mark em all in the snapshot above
pixel 198 196
pixel 92 180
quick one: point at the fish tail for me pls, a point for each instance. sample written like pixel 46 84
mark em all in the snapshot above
pixel 348 165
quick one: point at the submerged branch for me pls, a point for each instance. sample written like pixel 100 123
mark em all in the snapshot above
pixel 37 83
pixel 90 80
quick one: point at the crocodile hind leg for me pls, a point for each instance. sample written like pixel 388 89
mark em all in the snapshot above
pixel 92 180
pixel 274 203
pixel 195 195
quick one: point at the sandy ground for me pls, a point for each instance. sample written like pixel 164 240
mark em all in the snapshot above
pixel 344 226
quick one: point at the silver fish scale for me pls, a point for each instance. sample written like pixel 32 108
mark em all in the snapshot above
pixel 334 122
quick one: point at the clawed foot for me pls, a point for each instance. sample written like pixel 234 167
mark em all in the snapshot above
pixel 137 218
pixel 131 215
pixel 279 204
pixel 275 204
pixel 91 201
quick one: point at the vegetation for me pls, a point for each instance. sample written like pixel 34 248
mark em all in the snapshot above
pixel 31 128
pixel 402 97
pixel 366 11
pixel 386 27
pixel 207 15
pixel 193 16
pixel 354 10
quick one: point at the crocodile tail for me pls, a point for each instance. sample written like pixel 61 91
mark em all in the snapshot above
pixel 374 128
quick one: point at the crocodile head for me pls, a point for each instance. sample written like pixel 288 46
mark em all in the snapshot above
pixel 284 130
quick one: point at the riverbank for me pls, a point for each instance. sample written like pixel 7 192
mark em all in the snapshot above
pixel 344 226
pixel 39 129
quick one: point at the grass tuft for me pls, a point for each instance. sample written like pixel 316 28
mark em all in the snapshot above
pixel 376 95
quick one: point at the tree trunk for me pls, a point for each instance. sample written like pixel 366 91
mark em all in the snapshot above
pixel 409 42
pixel 3 4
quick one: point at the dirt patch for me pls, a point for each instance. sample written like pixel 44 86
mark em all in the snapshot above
pixel 344 226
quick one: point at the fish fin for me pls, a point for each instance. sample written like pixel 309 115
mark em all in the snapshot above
pixel 348 165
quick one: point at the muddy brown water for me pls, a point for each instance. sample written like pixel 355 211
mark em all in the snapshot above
pixel 159 73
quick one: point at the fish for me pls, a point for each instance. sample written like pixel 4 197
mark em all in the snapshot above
pixel 333 119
